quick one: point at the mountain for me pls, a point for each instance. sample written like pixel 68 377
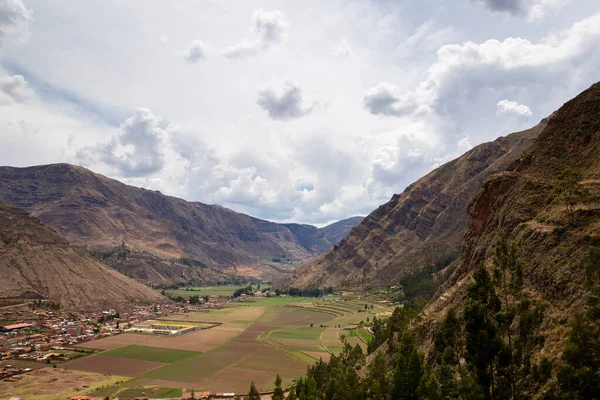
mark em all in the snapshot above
pixel 155 238
pixel 422 227
pixel 335 232
pixel 555 235
pixel 37 263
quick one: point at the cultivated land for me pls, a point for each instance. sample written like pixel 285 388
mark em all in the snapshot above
pixel 224 290
pixel 252 342
pixel 56 383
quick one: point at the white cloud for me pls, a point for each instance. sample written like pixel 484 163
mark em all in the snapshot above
pixel 14 19
pixel 195 52
pixel 462 72
pixel 136 150
pixel 341 49
pixel 513 108
pixel 286 103
pixel 14 89
pixel 269 28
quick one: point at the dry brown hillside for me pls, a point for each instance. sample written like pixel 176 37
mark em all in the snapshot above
pixel 99 214
pixel 552 241
pixel 37 263
pixel 421 227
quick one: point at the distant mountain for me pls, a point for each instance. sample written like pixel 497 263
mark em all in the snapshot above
pixel 335 232
pixel 153 237
pixel 419 228
pixel 37 263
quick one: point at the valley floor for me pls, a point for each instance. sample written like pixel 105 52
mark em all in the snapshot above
pixel 253 343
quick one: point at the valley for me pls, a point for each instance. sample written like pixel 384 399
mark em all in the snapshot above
pixel 247 341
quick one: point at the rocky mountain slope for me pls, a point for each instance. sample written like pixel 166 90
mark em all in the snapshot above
pixel 554 233
pixel 165 239
pixel 37 263
pixel 422 227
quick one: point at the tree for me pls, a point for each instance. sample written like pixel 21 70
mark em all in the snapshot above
pixel 508 276
pixel 278 392
pixel 428 388
pixel 579 371
pixel 446 337
pixel 483 342
pixel 569 191
pixel 253 393
pixel 409 370
pixel 377 382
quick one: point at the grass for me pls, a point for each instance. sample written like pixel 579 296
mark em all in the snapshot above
pixel 303 333
pixel 279 301
pixel 154 392
pixel 365 335
pixel 224 290
pixel 146 353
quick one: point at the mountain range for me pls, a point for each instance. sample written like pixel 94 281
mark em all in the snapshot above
pixel 159 239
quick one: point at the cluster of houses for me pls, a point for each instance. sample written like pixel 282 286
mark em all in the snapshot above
pixel 50 336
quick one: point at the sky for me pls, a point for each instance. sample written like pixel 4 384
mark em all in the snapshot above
pixel 289 111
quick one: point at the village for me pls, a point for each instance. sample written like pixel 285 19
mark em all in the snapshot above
pixel 43 338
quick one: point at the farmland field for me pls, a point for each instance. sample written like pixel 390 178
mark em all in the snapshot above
pixel 252 342
pixel 111 365
pixel 53 383
pixel 157 354
pixel 226 290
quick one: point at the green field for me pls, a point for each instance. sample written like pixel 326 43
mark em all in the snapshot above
pixel 224 290
pixel 302 333
pixel 154 392
pixel 252 342
pixel 275 301
pixel 156 354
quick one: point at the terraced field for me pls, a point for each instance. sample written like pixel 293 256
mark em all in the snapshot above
pixel 251 343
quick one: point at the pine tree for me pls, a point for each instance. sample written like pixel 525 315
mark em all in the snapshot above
pixel 409 370
pixel 483 342
pixel 579 371
pixel 253 393
pixel 278 391
pixel 428 388
pixel 377 381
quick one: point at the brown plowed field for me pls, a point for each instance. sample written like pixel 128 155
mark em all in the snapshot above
pixel 112 365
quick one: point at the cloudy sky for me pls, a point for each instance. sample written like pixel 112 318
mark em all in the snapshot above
pixel 307 111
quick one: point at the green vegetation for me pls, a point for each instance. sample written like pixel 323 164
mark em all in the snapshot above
pixel 154 392
pixel 569 192
pixel 156 354
pixel 420 286
pixel 279 301
pixel 301 333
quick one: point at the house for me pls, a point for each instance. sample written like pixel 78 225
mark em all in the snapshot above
pixel 16 327
pixel 89 398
